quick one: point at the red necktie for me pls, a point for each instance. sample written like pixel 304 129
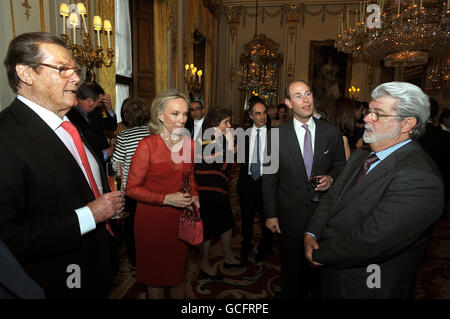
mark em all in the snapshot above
pixel 70 128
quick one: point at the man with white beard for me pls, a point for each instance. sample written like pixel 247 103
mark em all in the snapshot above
pixel 370 230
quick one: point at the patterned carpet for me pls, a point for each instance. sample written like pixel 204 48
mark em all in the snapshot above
pixel 262 280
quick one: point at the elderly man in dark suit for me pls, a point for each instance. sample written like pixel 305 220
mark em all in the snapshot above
pixel 54 204
pixel 308 147
pixel 88 118
pixel 369 233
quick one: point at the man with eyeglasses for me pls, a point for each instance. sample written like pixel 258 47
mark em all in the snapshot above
pixel 54 199
pixel 197 115
pixel 369 232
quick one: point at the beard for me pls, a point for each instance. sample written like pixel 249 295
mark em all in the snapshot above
pixel 369 139
pixel 382 136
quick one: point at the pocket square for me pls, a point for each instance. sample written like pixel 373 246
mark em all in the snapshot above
pixel 326 152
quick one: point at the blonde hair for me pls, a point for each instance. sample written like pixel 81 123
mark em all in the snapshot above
pixel 158 106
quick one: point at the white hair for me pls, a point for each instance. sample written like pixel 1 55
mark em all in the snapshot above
pixel 412 102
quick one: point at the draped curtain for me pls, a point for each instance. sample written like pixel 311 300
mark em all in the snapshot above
pixel 123 52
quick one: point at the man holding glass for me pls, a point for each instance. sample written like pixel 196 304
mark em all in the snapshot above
pixel 53 216
pixel 370 230
pixel 308 148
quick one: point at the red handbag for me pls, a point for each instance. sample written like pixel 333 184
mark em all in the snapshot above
pixel 190 226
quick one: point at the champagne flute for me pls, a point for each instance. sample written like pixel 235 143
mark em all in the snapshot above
pixel 315 180
pixel 117 185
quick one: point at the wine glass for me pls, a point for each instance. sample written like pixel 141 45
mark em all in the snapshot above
pixel 115 180
pixel 315 180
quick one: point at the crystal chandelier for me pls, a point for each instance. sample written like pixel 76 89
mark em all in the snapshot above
pixel 438 79
pixel 406 33
pixel 259 64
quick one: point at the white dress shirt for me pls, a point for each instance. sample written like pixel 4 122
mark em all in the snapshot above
pixel 197 127
pixel 85 217
pixel 300 131
pixel 252 145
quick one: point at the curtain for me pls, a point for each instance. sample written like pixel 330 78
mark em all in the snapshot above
pixel 123 49
pixel 122 92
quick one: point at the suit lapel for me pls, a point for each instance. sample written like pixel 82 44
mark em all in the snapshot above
pixel 320 140
pixel 39 133
pixel 383 169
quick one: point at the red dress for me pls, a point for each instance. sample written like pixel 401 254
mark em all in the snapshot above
pixel 160 255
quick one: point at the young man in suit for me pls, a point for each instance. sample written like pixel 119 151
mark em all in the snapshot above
pixel 307 147
pixel 54 200
pixel 85 116
pixel 369 233
pixel 249 185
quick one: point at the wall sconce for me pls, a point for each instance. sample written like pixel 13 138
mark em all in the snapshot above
pixel 85 54
pixel 353 92
pixel 193 77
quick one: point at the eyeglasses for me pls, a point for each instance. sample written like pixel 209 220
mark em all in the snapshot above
pixel 374 115
pixel 196 109
pixel 64 71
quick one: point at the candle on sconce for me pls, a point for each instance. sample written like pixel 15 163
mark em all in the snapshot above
pixel 82 11
pixel 200 73
pixel 347 24
pixel 363 13
pixel 186 68
pixel 64 11
pixel 108 28
pixel 73 19
pixel 98 27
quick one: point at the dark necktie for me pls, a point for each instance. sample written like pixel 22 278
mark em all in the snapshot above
pixel 308 154
pixel 365 167
pixel 71 129
pixel 255 168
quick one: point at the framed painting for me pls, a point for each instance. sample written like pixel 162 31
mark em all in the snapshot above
pixel 330 71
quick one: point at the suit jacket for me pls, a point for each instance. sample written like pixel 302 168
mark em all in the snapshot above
pixel 14 282
pixel 94 132
pixel 246 184
pixel 40 188
pixel 288 192
pixel 385 219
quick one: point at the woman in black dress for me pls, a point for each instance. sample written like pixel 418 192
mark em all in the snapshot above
pixel 213 163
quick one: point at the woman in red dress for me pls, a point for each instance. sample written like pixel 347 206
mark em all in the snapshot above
pixel 162 163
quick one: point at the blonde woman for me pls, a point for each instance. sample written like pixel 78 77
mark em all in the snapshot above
pixel 156 181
